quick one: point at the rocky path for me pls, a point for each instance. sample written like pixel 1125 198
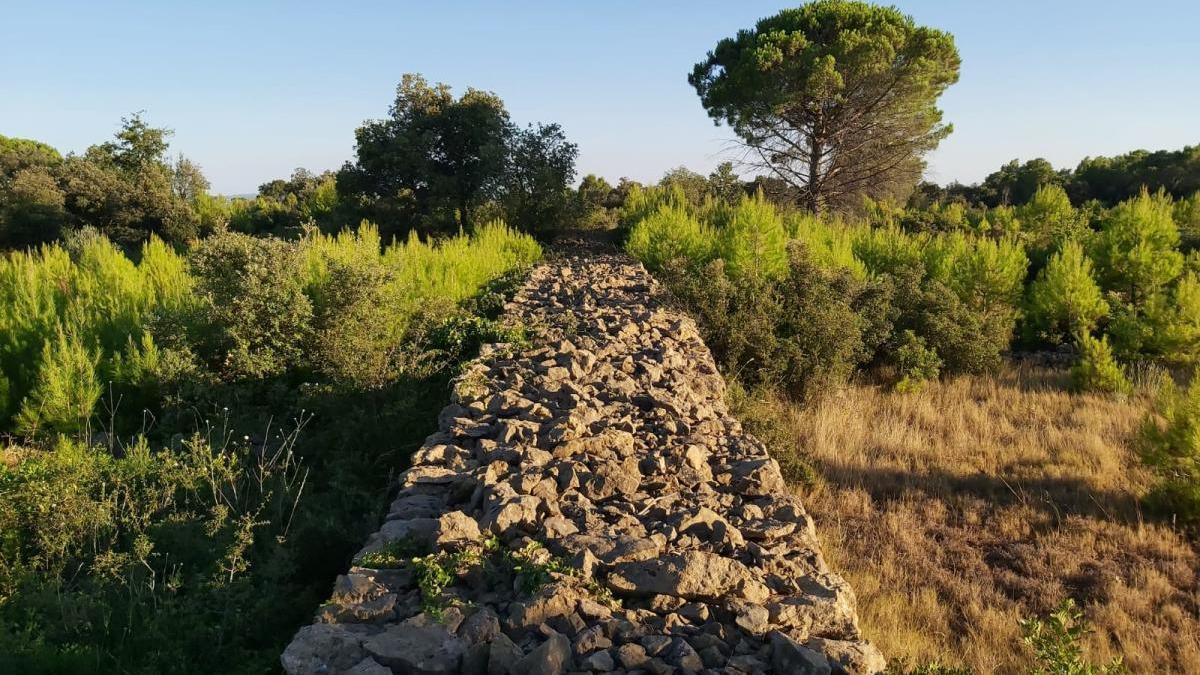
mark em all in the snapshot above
pixel 589 505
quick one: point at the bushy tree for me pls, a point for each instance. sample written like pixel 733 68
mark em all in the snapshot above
pixel 1110 180
pixel 438 163
pixel 127 188
pixel 724 184
pixel 541 166
pixel 694 187
pixel 1065 299
pixel 434 159
pixel 1166 326
pixel 252 317
pixel 835 98
pixel 32 208
pixel 19 154
pixel 1136 250
pixel 1016 183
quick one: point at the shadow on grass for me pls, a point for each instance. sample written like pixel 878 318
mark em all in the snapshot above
pixel 1059 497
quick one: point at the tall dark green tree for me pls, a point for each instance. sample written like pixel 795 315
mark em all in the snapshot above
pixel 541 165
pixel 836 98
pixel 433 160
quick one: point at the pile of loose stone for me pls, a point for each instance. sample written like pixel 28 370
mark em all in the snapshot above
pixel 608 447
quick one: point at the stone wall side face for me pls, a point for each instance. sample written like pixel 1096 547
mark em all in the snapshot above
pixel 664 537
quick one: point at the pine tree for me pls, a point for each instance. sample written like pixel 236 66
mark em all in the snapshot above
pixel 1048 219
pixel 1065 299
pixel 754 243
pixel 1136 251
pixel 67 390
pixel 1097 370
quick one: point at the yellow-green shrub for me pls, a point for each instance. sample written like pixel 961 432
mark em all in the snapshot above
pixel 669 234
pixel 753 243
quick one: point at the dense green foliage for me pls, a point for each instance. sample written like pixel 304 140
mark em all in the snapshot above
pixel 836 98
pixel 1065 299
pixel 128 188
pixel 952 288
pixel 1097 370
pixel 805 315
pixel 201 440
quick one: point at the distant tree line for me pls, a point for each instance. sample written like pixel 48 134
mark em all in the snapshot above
pixel 436 164
pixel 1104 180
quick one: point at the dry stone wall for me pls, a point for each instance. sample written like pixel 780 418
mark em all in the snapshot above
pixel 589 505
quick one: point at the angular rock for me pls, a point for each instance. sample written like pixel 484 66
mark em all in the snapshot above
pixel 788 656
pixel 552 657
pixel 419 650
pixel 694 575
pixel 321 648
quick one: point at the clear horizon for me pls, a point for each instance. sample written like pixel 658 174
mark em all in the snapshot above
pixel 254 92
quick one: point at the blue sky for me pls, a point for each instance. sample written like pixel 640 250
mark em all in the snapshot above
pixel 255 89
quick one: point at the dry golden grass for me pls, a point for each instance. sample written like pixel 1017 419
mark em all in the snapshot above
pixel 956 511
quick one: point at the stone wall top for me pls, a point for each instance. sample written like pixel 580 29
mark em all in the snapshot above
pixel 589 505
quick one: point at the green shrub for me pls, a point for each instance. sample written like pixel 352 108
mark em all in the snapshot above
pixel 966 340
pixel 915 362
pixel 86 290
pixel 1097 370
pixel 829 245
pixel 143 563
pixel 828 327
pixel 671 234
pixel 1169 442
pixel 805 333
pixel 1065 299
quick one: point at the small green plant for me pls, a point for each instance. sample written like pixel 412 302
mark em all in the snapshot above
pixel 900 666
pixel 917 363
pixel 533 566
pixel 1055 640
pixel 436 571
pixel 1097 369
pixel 394 554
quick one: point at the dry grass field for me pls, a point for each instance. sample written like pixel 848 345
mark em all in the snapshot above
pixel 958 510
